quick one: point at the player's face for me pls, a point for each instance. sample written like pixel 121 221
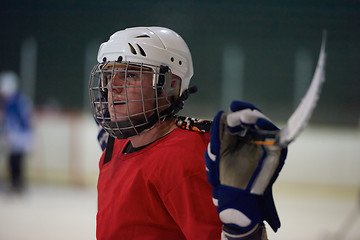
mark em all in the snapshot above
pixel 130 92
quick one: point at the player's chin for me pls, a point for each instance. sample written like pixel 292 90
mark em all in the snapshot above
pixel 118 115
pixel 123 115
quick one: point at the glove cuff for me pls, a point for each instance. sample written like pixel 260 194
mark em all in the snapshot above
pixel 257 233
pixel 243 210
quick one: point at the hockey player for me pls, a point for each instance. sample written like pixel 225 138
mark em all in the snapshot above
pixel 16 126
pixel 153 182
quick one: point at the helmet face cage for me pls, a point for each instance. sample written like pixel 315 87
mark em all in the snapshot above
pixel 129 97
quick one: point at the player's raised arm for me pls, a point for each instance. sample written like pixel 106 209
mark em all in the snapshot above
pixel 242 172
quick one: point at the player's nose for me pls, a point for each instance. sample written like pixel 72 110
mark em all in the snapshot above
pixel 117 82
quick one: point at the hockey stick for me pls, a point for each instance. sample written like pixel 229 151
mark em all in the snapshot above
pixel 300 117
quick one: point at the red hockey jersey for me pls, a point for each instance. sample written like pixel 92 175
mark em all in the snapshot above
pixel 159 192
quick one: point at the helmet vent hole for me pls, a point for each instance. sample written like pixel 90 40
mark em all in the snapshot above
pixel 180 62
pixel 132 49
pixel 172 59
pixel 142 52
pixel 143 36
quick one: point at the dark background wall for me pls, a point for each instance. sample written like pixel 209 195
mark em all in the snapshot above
pixel 268 32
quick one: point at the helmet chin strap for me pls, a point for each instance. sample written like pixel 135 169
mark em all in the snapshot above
pixel 132 127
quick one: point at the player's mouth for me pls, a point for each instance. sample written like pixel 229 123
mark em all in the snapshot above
pixel 116 104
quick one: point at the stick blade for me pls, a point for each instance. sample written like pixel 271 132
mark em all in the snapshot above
pixel 300 118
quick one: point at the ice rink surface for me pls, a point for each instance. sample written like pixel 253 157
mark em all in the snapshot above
pixel 48 212
pixel 60 212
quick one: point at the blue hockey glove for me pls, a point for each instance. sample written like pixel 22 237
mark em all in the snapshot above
pixel 242 172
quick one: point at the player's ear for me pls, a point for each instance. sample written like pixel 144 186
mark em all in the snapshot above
pixel 175 85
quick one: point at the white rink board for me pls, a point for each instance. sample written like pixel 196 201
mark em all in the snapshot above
pixel 67 144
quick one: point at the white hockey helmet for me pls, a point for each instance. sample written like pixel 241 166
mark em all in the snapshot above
pixel 146 50
pixel 150 45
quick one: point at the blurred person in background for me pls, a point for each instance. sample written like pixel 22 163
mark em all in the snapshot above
pixel 163 176
pixel 16 128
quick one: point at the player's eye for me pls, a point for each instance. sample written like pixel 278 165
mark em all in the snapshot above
pixel 131 75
